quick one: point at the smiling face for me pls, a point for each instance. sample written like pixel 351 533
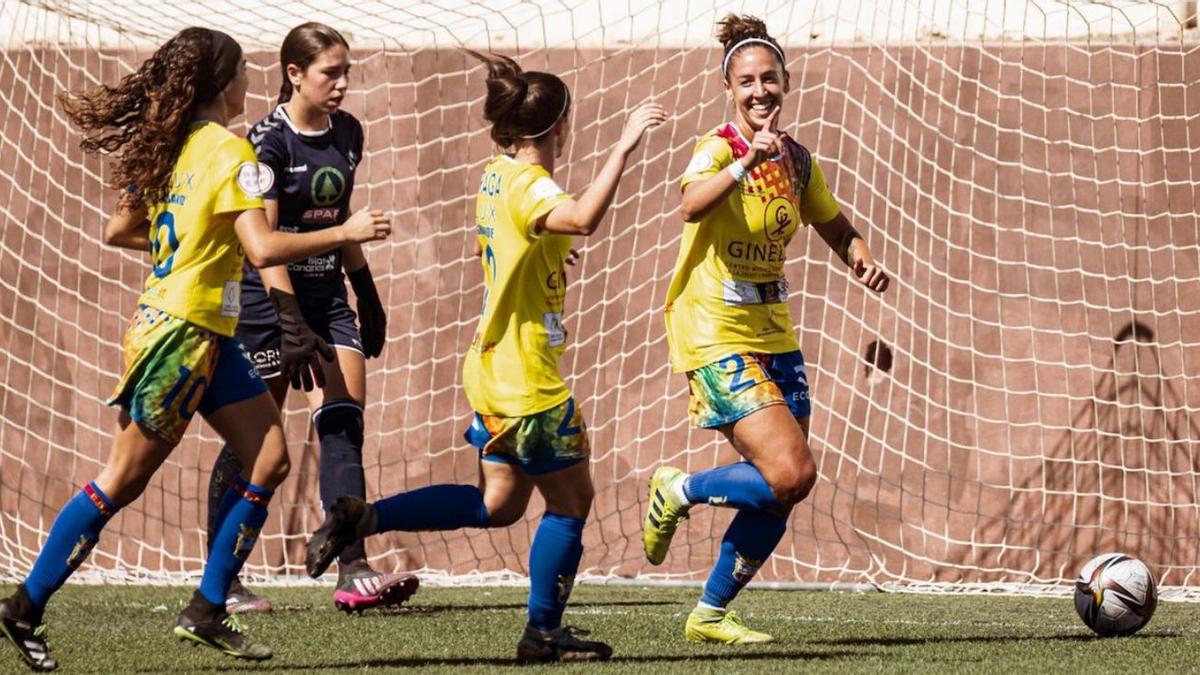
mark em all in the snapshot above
pixel 756 82
pixel 323 83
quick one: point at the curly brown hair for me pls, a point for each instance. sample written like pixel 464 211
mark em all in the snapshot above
pixel 521 104
pixel 148 115
pixel 733 28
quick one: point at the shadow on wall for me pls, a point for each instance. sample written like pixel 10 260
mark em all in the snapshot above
pixel 1122 477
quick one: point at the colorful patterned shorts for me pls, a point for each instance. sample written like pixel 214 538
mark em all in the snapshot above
pixel 174 369
pixel 542 443
pixel 725 391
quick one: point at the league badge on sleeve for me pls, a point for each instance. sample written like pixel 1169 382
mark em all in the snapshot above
pixel 250 178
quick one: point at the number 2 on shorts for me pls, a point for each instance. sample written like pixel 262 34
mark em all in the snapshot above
pixel 565 428
pixel 737 384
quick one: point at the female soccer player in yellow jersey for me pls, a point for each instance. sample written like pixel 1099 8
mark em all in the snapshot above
pixel 529 431
pixel 746 191
pixel 192 197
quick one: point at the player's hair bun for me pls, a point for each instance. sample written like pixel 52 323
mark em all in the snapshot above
pixel 520 104
pixel 734 29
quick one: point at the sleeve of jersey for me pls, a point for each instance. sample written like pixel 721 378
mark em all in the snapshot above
pixel 237 180
pixel 712 154
pixel 818 204
pixel 538 198
pixel 272 158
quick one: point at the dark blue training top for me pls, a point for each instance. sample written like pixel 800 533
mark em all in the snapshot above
pixel 311 175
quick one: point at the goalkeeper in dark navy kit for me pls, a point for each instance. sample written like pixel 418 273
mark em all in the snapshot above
pixel 309 149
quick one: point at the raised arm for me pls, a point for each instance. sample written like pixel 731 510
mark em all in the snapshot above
pixel 703 196
pixel 584 216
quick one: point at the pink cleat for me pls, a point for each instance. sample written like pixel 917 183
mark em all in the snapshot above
pixel 365 588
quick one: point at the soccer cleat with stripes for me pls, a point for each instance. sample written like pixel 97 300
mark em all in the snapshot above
pixel 349 520
pixel 560 644
pixel 203 623
pixel 364 588
pixel 26 632
pixel 664 512
pixel 714 625
pixel 241 600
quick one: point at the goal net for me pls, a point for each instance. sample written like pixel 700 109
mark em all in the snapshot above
pixel 1024 397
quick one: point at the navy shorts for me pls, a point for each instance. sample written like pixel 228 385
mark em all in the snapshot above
pixel 331 318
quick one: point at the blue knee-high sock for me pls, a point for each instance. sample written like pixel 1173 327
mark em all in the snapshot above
pixel 74 532
pixel 739 486
pixel 339 426
pixel 437 507
pixel 747 544
pixel 226 470
pixel 235 539
pixel 553 561
pixel 235 487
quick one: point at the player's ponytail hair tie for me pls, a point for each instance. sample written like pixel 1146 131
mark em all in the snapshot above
pixel 521 105
pixel 225 55
pixel 748 41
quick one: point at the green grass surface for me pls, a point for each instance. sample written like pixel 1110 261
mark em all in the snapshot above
pixel 127 629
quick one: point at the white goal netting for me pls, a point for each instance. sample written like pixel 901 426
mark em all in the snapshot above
pixel 1023 398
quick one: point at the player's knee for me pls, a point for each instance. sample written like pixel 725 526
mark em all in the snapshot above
pixel 576 503
pixel 274 471
pixel 792 482
pixel 505 515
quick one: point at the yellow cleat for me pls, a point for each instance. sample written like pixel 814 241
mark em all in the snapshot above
pixel 663 514
pixel 711 625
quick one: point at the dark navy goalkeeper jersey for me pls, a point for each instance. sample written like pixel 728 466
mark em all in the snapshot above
pixel 311 176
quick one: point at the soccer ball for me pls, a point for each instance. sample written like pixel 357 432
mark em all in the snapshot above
pixel 1115 594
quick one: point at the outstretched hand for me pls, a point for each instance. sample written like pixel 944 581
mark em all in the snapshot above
pixel 643 118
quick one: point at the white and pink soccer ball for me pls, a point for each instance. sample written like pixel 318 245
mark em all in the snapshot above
pixel 1115 595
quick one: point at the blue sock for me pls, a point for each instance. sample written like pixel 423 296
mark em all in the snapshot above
pixel 234 488
pixel 437 507
pixel 738 486
pixel 74 532
pixel 747 544
pixel 339 425
pixel 226 470
pixel 553 561
pixel 235 539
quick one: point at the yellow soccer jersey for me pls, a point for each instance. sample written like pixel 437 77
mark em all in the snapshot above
pixel 195 251
pixel 511 369
pixel 729 293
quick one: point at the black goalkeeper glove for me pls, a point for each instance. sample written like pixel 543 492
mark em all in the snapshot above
pixel 299 346
pixel 372 320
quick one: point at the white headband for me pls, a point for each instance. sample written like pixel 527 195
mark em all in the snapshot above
pixel 566 100
pixel 743 43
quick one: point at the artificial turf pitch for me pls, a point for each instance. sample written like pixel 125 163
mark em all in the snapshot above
pixel 126 629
